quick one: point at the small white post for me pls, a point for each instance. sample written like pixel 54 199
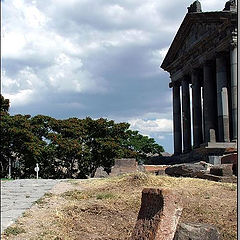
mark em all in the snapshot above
pixel 9 168
pixel 36 169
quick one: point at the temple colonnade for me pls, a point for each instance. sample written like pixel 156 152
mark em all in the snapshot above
pixel 214 102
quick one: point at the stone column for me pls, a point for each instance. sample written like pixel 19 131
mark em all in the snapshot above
pixel 222 98
pixel 197 108
pixel 186 115
pixel 209 102
pixel 233 61
pixel 177 119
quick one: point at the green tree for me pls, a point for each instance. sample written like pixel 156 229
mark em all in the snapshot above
pixel 4 104
pixel 67 148
pixel 139 146
pixel 20 145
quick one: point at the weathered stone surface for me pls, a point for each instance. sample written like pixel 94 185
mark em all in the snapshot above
pixel 206 165
pixel 214 160
pixel 124 165
pixel 211 177
pixel 229 179
pixel 196 231
pixel 158 216
pixel 156 169
pixel 19 195
pixel 100 173
pixel 222 170
pixel 184 170
pixel 204 175
pixel 231 158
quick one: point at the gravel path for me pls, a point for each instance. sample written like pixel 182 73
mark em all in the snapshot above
pixel 19 195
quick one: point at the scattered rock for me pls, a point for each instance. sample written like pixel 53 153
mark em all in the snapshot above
pixel 222 170
pixel 100 173
pixel 231 158
pixel 158 216
pixel 206 165
pixel 196 231
pixel 211 177
pixel 208 176
pixel 184 170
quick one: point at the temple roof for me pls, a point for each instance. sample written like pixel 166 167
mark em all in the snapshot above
pixel 189 22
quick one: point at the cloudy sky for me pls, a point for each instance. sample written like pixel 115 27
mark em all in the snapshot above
pixel 97 58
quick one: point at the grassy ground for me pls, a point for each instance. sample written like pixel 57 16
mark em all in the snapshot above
pixel 107 208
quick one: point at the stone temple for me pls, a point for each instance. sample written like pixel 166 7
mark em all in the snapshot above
pixel 202 63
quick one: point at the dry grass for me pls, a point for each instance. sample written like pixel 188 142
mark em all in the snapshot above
pixel 107 208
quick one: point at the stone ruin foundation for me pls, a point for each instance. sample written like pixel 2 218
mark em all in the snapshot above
pixel 124 165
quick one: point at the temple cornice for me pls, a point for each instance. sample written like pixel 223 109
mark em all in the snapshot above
pixel 216 30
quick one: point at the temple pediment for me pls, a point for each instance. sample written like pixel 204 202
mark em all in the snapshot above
pixel 195 31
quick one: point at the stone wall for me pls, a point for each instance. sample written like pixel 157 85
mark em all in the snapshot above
pixel 124 165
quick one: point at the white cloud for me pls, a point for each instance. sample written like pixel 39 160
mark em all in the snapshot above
pixel 158 55
pixel 151 126
pixel 20 98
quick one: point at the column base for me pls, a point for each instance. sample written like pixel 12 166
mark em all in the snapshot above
pixel 217 148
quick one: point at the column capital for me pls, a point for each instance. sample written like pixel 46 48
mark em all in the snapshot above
pixel 175 84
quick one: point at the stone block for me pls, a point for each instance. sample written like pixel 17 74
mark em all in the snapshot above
pixel 155 169
pixel 214 160
pixel 124 165
pixel 184 170
pixel 100 173
pixel 222 170
pixel 196 231
pixel 158 216
pixel 211 177
pixel 125 162
pixel 231 158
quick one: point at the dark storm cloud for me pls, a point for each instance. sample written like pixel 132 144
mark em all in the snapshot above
pixel 93 58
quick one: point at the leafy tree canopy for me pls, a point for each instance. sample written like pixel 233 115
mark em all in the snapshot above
pixel 67 148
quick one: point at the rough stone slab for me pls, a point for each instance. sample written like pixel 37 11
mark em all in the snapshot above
pixel 222 170
pixel 158 216
pixel 184 170
pixel 231 158
pixel 125 162
pixel 196 231
pixel 157 169
pixel 211 177
pixel 124 165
